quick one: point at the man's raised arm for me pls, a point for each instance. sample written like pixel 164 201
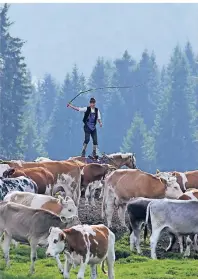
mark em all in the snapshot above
pixel 77 108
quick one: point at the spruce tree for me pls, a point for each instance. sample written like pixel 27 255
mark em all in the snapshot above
pixel 15 88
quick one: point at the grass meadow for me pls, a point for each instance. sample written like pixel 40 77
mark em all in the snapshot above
pixel 128 265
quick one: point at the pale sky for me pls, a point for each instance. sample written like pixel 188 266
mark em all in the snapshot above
pixel 60 35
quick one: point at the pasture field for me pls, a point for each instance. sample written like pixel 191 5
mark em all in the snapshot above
pixel 128 265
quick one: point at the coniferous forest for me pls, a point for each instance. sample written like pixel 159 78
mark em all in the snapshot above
pixel 156 119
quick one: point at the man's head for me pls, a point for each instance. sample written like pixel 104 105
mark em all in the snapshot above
pixel 92 103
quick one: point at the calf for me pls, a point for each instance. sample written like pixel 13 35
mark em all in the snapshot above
pixel 43 178
pixel 29 225
pixel 176 215
pixel 22 184
pixel 83 245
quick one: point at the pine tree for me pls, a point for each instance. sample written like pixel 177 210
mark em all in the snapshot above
pixel 47 92
pixel 15 88
pixel 59 137
pixel 32 142
pixel 121 107
pixel 101 77
pixel 175 145
pixel 146 97
pixel 135 139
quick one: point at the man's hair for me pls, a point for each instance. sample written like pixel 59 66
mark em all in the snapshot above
pixel 92 100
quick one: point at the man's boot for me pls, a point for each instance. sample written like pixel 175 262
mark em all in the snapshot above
pixel 84 150
pixel 94 151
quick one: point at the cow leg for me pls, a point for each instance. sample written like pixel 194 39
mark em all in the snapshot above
pixel 136 238
pixel 132 241
pixel 195 243
pixel 60 266
pixel 92 196
pixel 93 271
pixel 181 247
pixel 153 241
pixel 48 190
pixel 172 240
pixel 6 247
pixel 33 255
pixel 102 190
pixel 81 272
pixel 188 245
pixel 109 209
pixel 121 214
pixel 67 266
pixel 111 255
pixel 87 195
pixel 15 243
pixel 84 262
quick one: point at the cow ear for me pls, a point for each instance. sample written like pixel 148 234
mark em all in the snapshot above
pixel 50 229
pixel 61 236
pixel 157 171
pixel 174 173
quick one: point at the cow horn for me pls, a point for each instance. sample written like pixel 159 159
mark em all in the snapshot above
pixel 157 171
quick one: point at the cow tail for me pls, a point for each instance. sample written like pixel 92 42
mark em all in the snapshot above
pixel 103 267
pixel 147 221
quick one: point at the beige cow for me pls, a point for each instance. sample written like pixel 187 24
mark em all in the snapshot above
pixel 122 185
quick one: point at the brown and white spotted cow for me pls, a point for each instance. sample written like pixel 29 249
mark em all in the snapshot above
pixel 122 185
pixel 93 176
pixel 186 180
pixel 65 208
pixel 43 178
pixel 67 175
pixel 83 245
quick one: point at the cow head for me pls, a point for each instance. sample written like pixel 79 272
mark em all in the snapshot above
pixel 69 209
pixel 172 188
pixel 56 241
pixel 130 160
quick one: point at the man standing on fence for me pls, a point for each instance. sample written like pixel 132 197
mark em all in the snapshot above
pixel 91 116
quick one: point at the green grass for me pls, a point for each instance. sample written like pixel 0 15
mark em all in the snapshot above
pixel 128 265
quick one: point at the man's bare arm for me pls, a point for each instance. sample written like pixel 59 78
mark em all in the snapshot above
pixel 73 107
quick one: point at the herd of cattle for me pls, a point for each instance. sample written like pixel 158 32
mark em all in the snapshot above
pixel 40 201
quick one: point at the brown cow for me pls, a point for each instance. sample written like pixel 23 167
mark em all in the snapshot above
pixel 122 185
pixel 82 245
pixel 93 176
pixel 67 174
pixel 117 160
pixel 43 178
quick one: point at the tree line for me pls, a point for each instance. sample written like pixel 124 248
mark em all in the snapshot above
pixel 156 118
